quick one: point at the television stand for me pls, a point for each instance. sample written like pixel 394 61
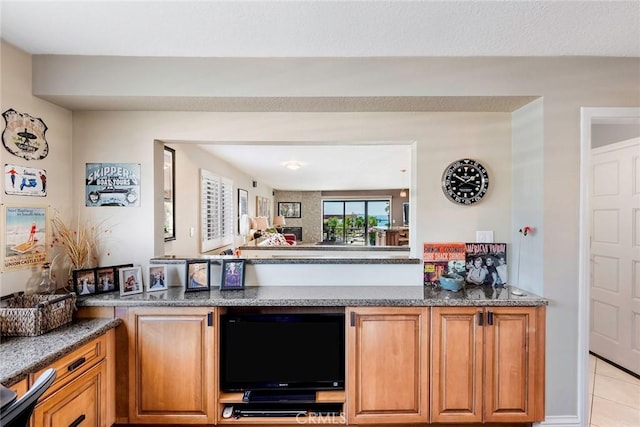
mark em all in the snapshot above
pixel 279 396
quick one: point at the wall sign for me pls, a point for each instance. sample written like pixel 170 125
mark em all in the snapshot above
pixel 24 135
pixel 22 181
pixel 112 184
pixel 25 239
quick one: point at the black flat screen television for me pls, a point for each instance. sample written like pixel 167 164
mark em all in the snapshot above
pixel 282 352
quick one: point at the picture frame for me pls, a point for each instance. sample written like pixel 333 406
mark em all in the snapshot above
pixel 116 270
pixel 263 206
pixel 197 276
pixel 290 209
pixel 243 205
pixel 232 274
pixel 84 281
pixel 106 280
pixel 156 278
pixel 130 280
pixel 169 194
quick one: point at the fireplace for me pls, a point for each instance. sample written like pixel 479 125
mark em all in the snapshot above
pixel 293 230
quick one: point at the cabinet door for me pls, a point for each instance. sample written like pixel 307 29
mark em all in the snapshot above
pixel 456 364
pixel 387 365
pixel 171 365
pixel 514 390
pixel 79 403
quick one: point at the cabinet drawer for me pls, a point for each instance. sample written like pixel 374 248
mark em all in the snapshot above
pixel 74 364
pixel 79 404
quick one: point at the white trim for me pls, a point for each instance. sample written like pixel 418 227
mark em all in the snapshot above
pixel 587 116
pixel 560 421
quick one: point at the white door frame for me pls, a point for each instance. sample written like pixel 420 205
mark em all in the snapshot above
pixel 587 115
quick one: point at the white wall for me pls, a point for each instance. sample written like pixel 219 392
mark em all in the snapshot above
pixel 15 92
pixel 189 159
pixel 441 138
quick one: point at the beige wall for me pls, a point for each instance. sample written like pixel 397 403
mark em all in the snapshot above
pixel 16 93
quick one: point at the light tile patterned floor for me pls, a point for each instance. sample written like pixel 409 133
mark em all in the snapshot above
pixel 614 396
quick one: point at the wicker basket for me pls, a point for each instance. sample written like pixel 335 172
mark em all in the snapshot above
pixel 31 315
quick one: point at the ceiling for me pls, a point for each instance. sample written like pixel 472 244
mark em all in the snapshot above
pixel 323 28
pixel 263 29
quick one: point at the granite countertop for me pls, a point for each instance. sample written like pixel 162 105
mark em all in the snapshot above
pixel 323 296
pixel 20 356
pixel 297 259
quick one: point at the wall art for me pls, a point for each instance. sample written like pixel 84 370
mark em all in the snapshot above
pixel 23 181
pixel 290 209
pixel 25 240
pixel 169 194
pixel 112 184
pixel 24 135
pixel 243 206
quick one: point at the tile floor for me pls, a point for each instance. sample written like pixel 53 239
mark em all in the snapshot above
pixel 614 396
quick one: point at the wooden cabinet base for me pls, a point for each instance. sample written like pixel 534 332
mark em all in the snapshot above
pixel 79 403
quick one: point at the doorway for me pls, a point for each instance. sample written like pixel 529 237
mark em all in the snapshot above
pixel 591 117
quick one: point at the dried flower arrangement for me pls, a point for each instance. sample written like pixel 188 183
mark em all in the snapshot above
pixel 80 242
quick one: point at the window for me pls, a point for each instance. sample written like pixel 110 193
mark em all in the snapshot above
pixel 351 222
pixel 216 216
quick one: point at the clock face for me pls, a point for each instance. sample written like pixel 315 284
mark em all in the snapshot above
pixel 465 182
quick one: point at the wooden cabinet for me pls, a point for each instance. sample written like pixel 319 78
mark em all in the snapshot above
pixel 487 364
pixel 387 365
pixel 83 390
pixel 80 403
pixel 171 365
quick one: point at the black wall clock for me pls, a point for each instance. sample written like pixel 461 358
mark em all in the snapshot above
pixel 465 182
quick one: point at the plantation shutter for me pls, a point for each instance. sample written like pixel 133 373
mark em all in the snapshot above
pixel 216 220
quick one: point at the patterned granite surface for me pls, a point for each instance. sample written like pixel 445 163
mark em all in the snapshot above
pixel 300 259
pixel 20 356
pixel 336 296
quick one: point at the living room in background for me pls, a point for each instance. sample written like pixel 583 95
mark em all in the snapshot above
pixel 352 222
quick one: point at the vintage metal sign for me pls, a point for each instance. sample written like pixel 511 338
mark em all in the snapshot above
pixel 24 135
pixel 23 181
pixel 25 238
pixel 113 184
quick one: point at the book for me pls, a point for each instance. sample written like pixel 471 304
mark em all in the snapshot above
pixel 443 258
pixel 487 264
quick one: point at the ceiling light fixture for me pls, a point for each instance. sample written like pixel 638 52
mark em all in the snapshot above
pixel 292 164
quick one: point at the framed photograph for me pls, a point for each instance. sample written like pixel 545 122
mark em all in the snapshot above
pixel 197 276
pixel 290 209
pixel 157 278
pixel 243 205
pixel 169 196
pixel 232 274
pixel 116 269
pixel 84 281
pixel 130 279
pixel 106 279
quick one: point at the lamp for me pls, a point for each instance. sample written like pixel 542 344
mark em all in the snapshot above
pixel 262 223
pixel 403 193
pixel 278 222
